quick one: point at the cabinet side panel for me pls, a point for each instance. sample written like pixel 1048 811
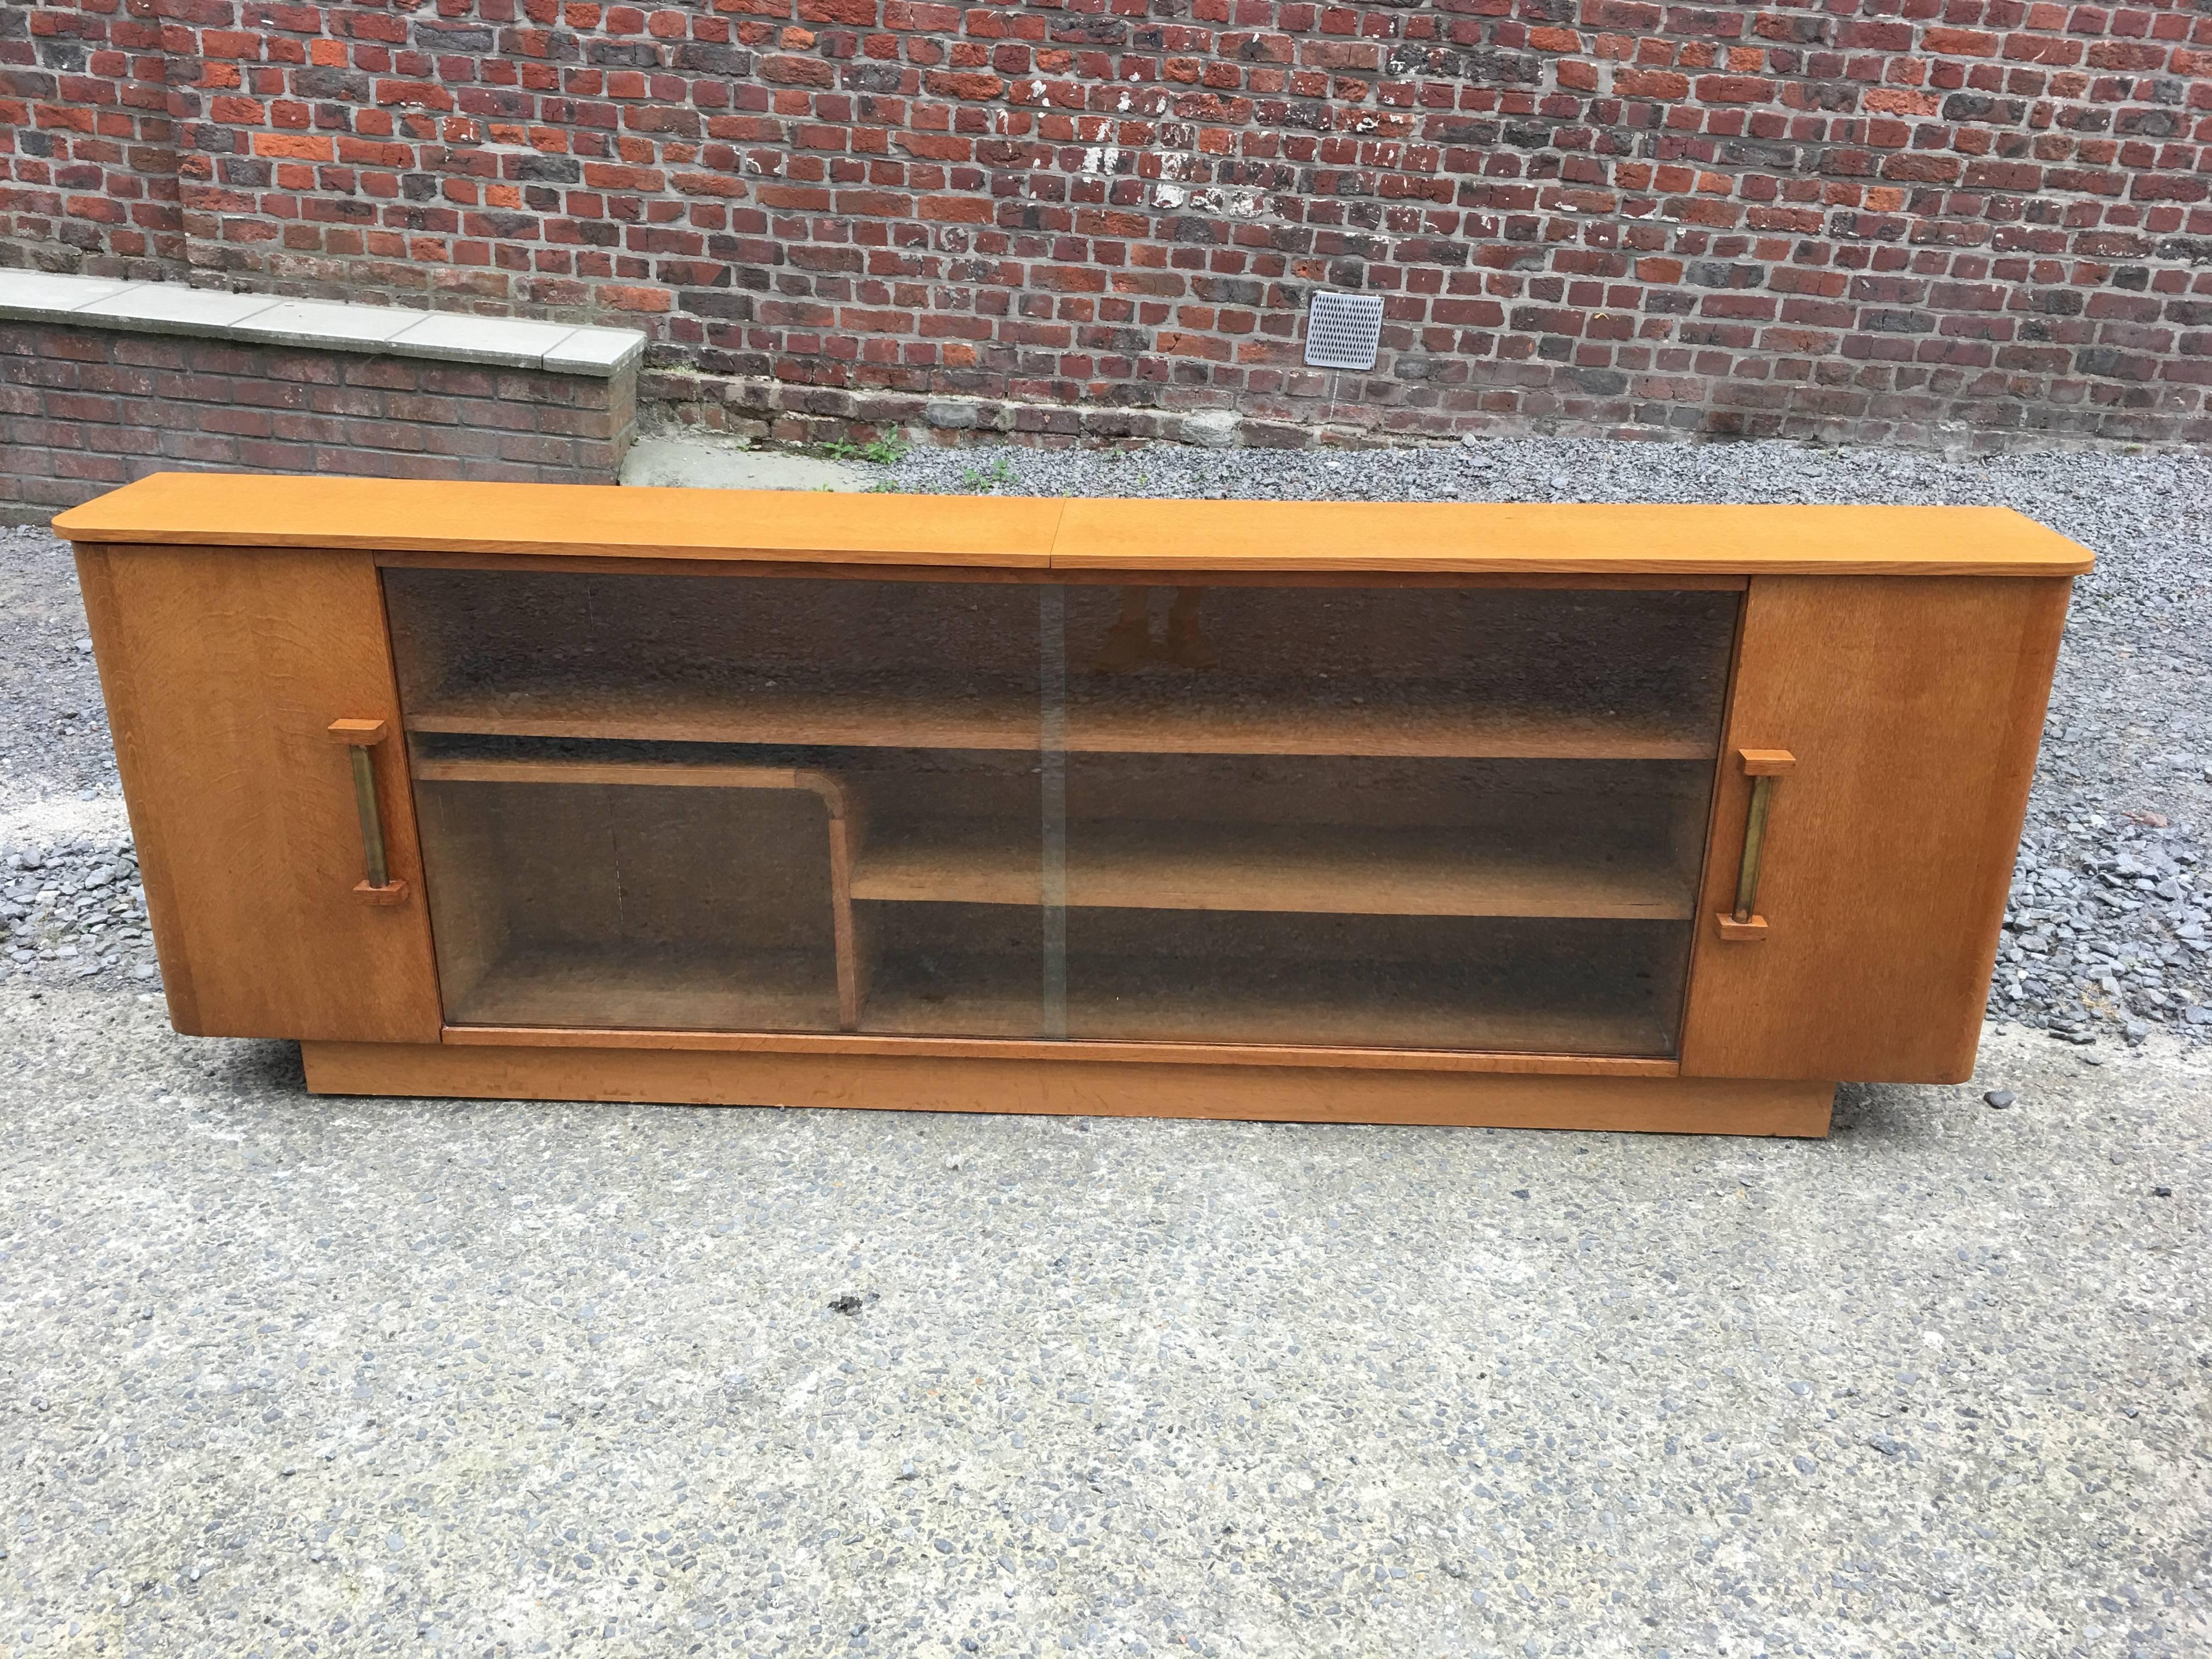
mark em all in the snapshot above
pixel 1913 707
pixel 222 670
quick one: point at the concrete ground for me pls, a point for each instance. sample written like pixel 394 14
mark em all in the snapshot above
pixel 281 1375
pixel 677 461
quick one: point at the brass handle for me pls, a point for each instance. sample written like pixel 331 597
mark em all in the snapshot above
pixel 1762 767
pixel 358 738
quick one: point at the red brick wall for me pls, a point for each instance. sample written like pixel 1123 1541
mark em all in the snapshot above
pixel 84 409
pixel 1899 219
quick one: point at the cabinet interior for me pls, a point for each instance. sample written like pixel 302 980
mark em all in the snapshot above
pixel 1456 817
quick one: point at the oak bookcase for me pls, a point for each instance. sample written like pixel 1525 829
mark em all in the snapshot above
pixel 1602 817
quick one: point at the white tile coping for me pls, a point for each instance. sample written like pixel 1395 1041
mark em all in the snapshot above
pixel 316 325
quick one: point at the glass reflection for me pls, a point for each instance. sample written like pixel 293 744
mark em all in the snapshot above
pixel 1420 816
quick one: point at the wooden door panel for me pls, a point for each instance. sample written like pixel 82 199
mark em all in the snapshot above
pixel 1913 707
pixel 224 669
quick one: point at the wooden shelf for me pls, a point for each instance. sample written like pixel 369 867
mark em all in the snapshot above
pixel 1184 714
pixel 1139 998
pixel 653 985
pixel 1322 869
pixel 657 774
pixel 1380 1004
pixel 1177 716
pixel 762 712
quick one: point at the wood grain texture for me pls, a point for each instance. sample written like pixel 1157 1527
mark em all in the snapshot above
pixel 1357 869
pixel 670 985
pixel 1232 537
pixel 1073 576
pixel 214 509
pixel 1150 1054
pixel 1913 708
pixel 1430 536
pixel 648 775
pixel 1419 722
pixel 223 672
pixel 572 772
pixel 1380 1006
pixel 1586 1001
pixel 1064 1087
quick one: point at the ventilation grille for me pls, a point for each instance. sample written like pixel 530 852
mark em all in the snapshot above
pixel 1342 331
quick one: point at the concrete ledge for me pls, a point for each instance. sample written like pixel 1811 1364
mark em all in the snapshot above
pixel 317 325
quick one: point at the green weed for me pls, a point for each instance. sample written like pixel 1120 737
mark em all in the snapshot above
pixel 883 452
pixel 984 481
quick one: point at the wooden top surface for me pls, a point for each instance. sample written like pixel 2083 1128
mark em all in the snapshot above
pixel 1545 540
pixel 229 510
pixel 218 509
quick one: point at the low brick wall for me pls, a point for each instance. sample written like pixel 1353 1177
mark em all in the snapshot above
pixel 102 382
pixel 84 410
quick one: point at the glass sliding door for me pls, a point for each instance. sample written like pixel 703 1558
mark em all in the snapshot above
pixel 1404 817
pixel 686 802
pixel 1430 817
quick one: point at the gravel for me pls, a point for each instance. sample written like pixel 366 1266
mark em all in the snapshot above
pixel 71 908
pixel 76 909
pixel 53 740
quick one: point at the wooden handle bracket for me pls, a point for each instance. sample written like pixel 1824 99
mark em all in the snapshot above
pixel 359 736
pixel 1762 766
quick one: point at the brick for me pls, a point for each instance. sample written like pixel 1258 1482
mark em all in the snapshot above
pixel 73 406
pixel 1082 224
pixel 204 448
pixel 1662 85
pixel 199 403
pixel 299 146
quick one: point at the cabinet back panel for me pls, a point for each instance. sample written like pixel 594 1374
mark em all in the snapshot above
pixel 670 906
pixel 465 627
pixel 1590 648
